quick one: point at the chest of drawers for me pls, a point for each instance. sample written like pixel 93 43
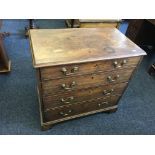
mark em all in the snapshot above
pixel 81 71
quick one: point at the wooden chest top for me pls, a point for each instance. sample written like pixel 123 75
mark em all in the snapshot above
pixel 51 47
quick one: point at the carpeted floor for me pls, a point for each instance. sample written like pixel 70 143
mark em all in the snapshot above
pixel 19 112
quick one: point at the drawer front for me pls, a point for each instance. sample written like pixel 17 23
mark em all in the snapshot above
pixel 79 69
pixel 76 109
pixel 52 101
pixel 85 81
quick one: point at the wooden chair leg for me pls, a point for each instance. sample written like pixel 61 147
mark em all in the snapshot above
pixel 152 69
pixel 32 25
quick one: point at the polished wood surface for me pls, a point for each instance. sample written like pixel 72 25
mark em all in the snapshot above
pixel 87 68
pixel 86 81
pixel 81 71
pixel 98 25
pixel 80 108
pixel 61 99
pixel 45 125
pixel 66 46
pixel 100 20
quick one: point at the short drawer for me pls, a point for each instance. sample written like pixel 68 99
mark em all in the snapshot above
pixel 85 81
pixel 86 68
pixel 75 96
pixel 77 109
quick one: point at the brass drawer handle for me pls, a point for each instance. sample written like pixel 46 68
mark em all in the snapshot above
pixel 110 79
pixel 72 85
pixel 73 70
pixel 117 65
pixel 103 103
pixel 65 114
pixel 64 70
pixel 68 100
pixel 108 92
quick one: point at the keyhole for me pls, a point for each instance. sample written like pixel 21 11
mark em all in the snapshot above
pixel 96 65
pixel 93 76
pixel 90 91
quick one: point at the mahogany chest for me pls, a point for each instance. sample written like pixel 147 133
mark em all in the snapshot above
pixel 81 71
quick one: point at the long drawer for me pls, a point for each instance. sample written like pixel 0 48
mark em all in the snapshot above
pixel 85 81
pixel 76 109
pixel 61 99
pixel 87 68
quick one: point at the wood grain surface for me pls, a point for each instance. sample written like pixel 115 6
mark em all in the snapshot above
pixel 87 68
pixel 86 81
pixel 98 25
pixel 81 71
pixel 61 99
pixel 80 108
pixel 51 47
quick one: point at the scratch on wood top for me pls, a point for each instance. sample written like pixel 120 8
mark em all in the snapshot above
pixel 51 47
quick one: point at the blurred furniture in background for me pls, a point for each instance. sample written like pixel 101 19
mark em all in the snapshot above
pixel 142 32
pixel 92 23
pixel 5 63
pixel 0 23
pixel 152 69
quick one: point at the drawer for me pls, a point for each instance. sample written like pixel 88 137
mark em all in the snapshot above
pixel 86 68
pixel 75 96
pixel 76 109
pixel 85 81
